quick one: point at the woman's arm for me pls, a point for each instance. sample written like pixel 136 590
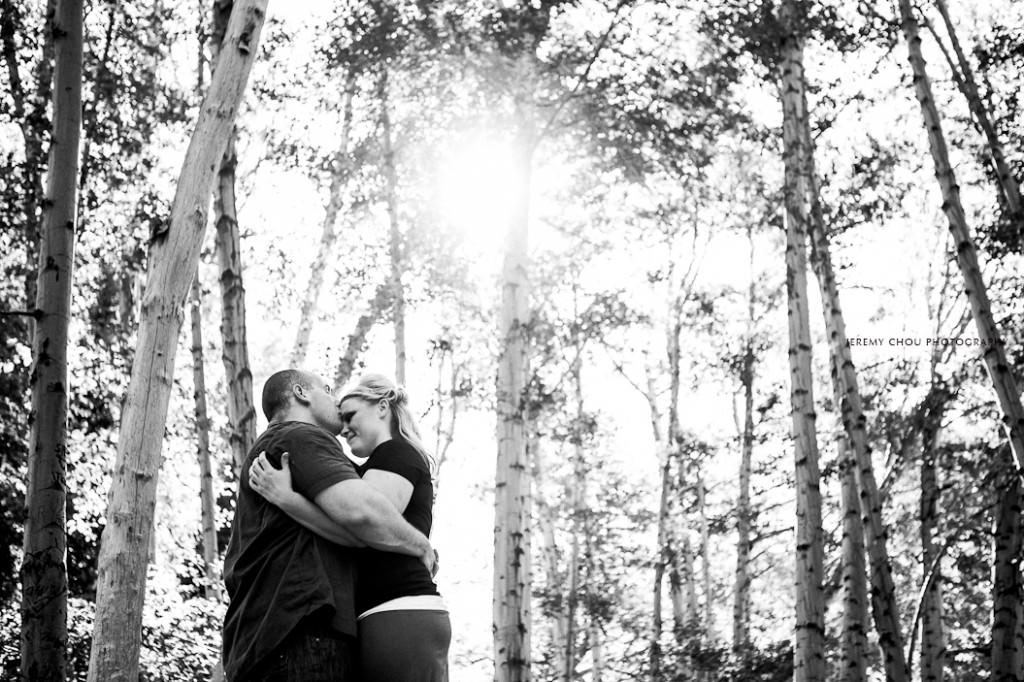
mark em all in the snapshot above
pixel 275 485
pixel 397 488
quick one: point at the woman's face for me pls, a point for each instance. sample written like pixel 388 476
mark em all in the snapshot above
pixel 364 425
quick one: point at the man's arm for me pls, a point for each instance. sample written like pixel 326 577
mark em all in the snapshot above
pixel 312 518
pixel 275 485
pixel 369 516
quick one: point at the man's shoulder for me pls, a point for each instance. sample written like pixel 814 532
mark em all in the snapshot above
pixel 301 431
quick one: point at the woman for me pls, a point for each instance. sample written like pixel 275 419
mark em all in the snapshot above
pixel 404 630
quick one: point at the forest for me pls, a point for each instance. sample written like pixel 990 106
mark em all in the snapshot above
pixel 710 313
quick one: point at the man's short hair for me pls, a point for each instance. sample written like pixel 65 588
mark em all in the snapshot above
pixel 277 392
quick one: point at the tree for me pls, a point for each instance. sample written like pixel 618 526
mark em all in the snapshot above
pixel 963 75
pixel 241 412
pixel 174 253
pixel 208 510
pixel 340 171
pixel 395 247
pixel 809 645
pixel 1007 653
pixel 848 399
pixel 43 572
pixel 999 369
pixel 853 634
pixel 512 482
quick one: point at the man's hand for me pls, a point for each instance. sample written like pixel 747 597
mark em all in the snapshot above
pixel 431 561
pixel 275 485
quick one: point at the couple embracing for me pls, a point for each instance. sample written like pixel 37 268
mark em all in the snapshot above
pixel 329 570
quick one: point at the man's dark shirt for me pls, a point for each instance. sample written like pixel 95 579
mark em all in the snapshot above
pixel 277 573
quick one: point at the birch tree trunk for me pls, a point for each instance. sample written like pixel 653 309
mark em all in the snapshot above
pixel 357 339
pixel 394 231
pixel 663 552
pixel 847 395
pixel 999 369
pixel 1007 590
pixel 579 511
pixel 933 646
pixel 1008 184
pixel 848 398
pixel 549 551
pixel 340 169
pixel 707 624
pixel 44 576
pixel 235 354
pixel 211 589
pixel 445 435
pixel 594 634
pixel 512 481
pixel 666 545
pixel 741 582
pixel 174 254
pixel 808 650
pixel 853 648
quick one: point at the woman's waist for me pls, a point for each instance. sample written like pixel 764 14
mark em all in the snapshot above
pixel 415 602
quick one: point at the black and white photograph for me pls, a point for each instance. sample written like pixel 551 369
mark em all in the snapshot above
pixel 511 341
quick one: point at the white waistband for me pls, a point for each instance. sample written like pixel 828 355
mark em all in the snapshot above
pixel 417 602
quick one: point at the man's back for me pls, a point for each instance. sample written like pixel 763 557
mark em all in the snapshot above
pixel 276 572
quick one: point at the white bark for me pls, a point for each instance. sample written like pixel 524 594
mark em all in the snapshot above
pixel 512 581
pixel 174 255
pixel 999 369
pixel 809 644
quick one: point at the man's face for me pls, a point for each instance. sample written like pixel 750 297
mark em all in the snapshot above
pixel 322 405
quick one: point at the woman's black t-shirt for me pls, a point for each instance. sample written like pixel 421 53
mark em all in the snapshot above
pixel 383 576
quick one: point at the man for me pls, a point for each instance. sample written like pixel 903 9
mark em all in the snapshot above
pixel 291 612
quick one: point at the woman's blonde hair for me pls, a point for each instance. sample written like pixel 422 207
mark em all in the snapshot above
pixel 376 387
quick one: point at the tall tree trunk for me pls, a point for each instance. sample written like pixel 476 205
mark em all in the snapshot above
pixel 999 370
pixel 394 232
pixel 663 560
pixel 357 339
pixel 666 544
pixel 340 171
pixel 809 644
pixel 967 84
pixel 235 354
pixel 44 576
pixel 1007 590
pixel 933 645
pixel 445 435
pixel 549 551
pixel 174 255
pixel 208 510
pixel 707 629
pixel 744 512
pixel 847 396
pixel 512 480
pixel 592 591
pixel 853 649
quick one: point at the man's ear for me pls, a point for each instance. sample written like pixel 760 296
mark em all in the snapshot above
pixel 299 393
